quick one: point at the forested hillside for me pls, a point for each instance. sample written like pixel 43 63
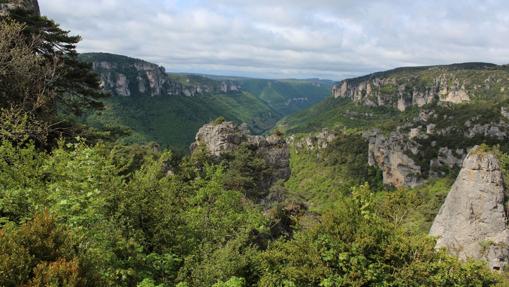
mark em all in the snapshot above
pixel 82 204
pixel 150 105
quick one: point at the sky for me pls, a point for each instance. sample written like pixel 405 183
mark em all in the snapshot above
pixel 329 39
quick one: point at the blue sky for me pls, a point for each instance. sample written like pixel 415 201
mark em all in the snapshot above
pixel 332 39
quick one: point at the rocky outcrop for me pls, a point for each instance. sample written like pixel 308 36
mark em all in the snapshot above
pixel 472 222
pixel 124 76
pixel 390 153
pixel 406 87
pixel 318 141
pixel 130 78
pixel 229 86
pixel 448 159
pixel 221 138
pixel 30 5
pixel 225 137
pixel 391 92
pixel 431 145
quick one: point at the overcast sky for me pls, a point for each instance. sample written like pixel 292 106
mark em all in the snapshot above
pixel 331 39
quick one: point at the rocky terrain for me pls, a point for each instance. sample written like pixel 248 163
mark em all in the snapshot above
pixel 317 141
pixel 124 76
pixel 422 128
pixel 423 148
pixel 406 87
pixel 222 138
pixel 30 5
pixel 427 148
pixel 472 222
pixel 420 123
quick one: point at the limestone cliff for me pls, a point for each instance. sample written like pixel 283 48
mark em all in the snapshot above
pixel 472 222
pixel 30 5
pixel 391 155
pixel 222 138
pixel 432 144
pixel 405 87
pixel 128 78
pixel 124 76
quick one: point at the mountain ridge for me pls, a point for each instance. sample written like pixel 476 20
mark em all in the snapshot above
pixel 157 106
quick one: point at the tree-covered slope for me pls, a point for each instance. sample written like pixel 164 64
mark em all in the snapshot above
pixel 362 126
pixel 169 108
pixel 75 212
pixel 173 121
pixel 287 96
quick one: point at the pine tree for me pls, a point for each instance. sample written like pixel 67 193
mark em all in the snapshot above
pixel 40 74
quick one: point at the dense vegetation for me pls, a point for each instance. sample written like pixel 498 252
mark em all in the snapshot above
pixel 344 114
pixel 172 121
pixel 75 213
pixel 81 215
pixel 287 96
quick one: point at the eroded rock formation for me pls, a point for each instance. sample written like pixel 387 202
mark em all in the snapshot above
pixel 405 87
pixel 427 148
pixel 225 137
pixel 391 154
pixel 124 76
pixel 472 222
pixel 317 141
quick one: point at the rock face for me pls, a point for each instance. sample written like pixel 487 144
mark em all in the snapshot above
pixel 318 141
pixel 225 137
pixel 406 87
pixel 30 5
pixel 391 92
pixel 472 222
pixel 221 138
pixel 129 78
pixel 390 153
pixel 124 76
pixel 426 148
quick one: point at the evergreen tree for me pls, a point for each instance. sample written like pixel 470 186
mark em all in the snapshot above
pixel 40 75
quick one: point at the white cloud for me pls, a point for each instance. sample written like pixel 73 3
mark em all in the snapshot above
pixel 289 38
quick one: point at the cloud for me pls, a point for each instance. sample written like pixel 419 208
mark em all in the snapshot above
pixel 289 38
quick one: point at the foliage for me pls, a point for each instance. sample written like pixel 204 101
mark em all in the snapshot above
pixel 320 177
pixel 74 85
pixel 40 78
pixel 173 121
pixel 247 172
pixel 147 226
pixel 42 253
pixel 233 282
pixel 353 246
pixel 106 214
pixel 343 114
